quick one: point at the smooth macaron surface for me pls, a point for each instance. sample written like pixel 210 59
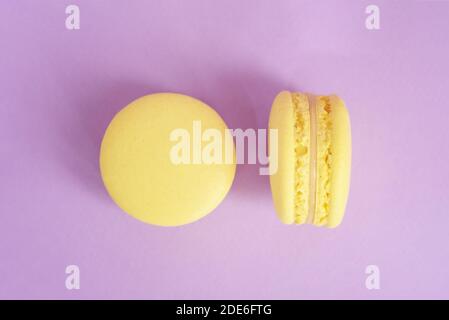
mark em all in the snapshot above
pixel 137 165
pixel 311 184
pixel 282 118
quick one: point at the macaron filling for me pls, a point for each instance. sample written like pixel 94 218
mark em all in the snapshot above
pixel 313 156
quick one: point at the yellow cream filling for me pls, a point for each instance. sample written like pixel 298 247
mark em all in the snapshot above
pixel 324 161
pixel 312 171
pixel 302 157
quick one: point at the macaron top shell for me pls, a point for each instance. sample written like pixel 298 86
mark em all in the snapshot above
pixel 341 160
pixel 139 173
pixel 282 118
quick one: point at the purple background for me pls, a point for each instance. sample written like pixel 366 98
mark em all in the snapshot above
pixel 60 88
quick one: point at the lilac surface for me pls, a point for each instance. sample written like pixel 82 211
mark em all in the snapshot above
pixel 59 89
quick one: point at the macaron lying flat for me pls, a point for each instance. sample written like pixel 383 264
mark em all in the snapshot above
pixel 138 167
pixel 311 184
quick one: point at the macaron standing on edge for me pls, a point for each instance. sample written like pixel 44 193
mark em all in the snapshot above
pixel 311 184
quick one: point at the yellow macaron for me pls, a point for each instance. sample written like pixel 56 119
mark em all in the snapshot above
pixel 139 164
pixel 311 184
